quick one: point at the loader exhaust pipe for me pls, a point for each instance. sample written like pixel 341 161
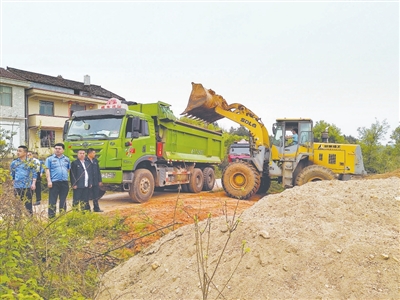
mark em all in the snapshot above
pixel 202 103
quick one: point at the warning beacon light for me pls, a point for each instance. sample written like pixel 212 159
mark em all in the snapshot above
pixel 114 103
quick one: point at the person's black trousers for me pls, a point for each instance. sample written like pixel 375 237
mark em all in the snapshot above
pixel 58 190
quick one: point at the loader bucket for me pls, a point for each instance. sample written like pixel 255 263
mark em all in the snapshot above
pixel 202 104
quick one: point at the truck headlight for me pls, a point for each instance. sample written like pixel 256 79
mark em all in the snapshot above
pixel 108 175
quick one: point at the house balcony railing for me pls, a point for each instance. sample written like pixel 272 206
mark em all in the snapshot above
pixel 43 121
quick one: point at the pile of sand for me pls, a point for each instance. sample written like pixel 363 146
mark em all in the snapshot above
pixel 328 239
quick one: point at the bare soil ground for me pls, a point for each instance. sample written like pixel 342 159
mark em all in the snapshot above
pixel 322 240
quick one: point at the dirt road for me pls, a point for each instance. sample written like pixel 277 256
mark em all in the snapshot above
pixel 170 209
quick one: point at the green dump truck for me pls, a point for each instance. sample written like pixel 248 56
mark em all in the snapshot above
pixel 143 147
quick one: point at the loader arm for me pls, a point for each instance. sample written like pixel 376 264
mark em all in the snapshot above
pixel 207 106
pixel 240 114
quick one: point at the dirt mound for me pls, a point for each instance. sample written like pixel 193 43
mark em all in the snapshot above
pixel 328 239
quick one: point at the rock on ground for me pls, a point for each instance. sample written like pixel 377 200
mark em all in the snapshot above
pixel 327 239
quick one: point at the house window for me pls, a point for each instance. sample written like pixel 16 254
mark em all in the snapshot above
pixel 46 108
pixel 47 138
pixel 76 107
pixel 5 95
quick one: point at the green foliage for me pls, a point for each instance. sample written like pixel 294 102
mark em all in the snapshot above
pixel 275 188
pixel 241 131
pixel 370 141
pixel 334 133
pixel 395 136
pixel 61 259
pixel 4 174
pixel 6 146
pixel 350 139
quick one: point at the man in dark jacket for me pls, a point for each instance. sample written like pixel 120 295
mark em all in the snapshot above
pixel 95 193
pixel 81 181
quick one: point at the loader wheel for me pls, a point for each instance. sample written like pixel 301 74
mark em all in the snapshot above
pixel 240 180
pixel 314 173
pixel 209 179
pixel 265 185
pixel 142 186
pixel 196 181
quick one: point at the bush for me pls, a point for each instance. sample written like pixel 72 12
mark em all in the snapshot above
pixel 62 258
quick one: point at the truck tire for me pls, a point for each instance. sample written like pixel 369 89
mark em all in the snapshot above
pixel 209 179
pixel 314 173
pixel 142 186
pixel 196 181
pixel 265 185
pixel 240 180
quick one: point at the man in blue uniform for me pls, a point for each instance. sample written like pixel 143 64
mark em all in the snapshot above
pixel 57 167
pixel 23 173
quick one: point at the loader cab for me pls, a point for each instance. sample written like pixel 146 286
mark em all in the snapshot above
pixel 283 136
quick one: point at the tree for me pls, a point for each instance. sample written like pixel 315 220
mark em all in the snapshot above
pixel 241 130
pixel 395 136
pixel 6 145
pixel 350 139
pixel 371 147
pixel 334 133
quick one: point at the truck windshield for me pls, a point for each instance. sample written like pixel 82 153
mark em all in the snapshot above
pixel 94 129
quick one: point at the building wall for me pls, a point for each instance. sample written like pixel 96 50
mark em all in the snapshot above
pixel 41 126
pixel 13 117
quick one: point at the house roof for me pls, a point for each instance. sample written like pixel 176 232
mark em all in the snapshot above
pixel 6 74
pixel 59 81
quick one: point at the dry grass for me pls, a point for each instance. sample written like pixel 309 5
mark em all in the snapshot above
pixel 395 173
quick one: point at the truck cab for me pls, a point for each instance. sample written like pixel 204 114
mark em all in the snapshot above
pixel 239 151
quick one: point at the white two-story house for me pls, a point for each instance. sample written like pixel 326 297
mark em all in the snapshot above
pixel 13 107
pixel 50 101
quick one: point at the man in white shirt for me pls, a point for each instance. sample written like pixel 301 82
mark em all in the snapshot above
pixel 80 181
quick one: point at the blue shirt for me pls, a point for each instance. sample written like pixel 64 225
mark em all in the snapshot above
pixel 58 167
pixel 23 172
pixel 295 138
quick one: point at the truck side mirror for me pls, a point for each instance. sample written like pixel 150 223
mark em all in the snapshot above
pixel 274 128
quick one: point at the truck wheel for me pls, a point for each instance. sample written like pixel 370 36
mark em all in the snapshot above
pixel 265 185
pixel 196 181
pixel 142 186
pixel 314 173
pixel 209 179
pixel 240 180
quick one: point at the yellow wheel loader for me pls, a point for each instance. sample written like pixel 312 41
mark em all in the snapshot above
pixel 290 160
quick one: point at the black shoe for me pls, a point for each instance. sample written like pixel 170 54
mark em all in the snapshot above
pixel 98 210
pixel 36 203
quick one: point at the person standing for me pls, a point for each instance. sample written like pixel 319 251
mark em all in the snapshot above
pixel 23 173
pixel 40 171
pixel 295 136
pixel 81 181
pixel 57 167
pixel 94 192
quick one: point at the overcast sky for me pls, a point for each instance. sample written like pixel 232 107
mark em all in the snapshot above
pixel 331 61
